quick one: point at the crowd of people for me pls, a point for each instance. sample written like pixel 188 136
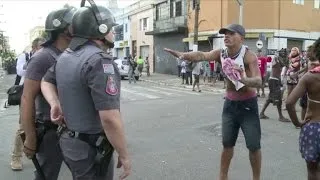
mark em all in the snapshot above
pixel 245 74
pixel 71 86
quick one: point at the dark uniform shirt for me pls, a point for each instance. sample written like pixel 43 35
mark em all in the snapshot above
pixel 99 81
pixel 38 65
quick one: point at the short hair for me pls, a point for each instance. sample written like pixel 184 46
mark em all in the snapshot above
pixel 315 49
pixel 36 41
pixel 310 53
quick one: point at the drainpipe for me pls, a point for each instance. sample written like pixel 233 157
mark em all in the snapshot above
pixel 240 2
pixel 279 22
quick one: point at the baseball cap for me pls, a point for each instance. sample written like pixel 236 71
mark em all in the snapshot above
pixel 236 28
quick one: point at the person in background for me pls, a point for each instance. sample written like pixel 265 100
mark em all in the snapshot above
pixel 188 72
pixel 179 61
pixel 212 71
pixel 309 140
pixel 274 84
pixel 132 68
pixel 196 71
pixel 140 62
pixel 183 71
pixel 35 110
pixel 16 162
pixel 262 62
pixel 206 71
pixel 294 67
pixel 146 62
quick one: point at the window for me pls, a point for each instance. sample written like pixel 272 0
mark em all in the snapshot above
pixel 175 8
pixel 162 11
pixel 317 4
pixel 301 2
pixel 179 8
pixel 118 32
pixel 126 28
pixel 144 24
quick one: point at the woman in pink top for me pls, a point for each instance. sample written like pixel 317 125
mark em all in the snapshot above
pixel 293 69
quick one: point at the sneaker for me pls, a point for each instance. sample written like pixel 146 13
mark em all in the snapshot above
pixel 16 163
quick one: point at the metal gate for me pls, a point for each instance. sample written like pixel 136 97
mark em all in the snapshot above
pixel 144 51
pixel 294 43
pixel 119 52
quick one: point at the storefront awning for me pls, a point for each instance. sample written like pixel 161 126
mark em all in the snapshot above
pixel 249 35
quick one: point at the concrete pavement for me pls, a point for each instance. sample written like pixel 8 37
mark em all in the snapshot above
pixel 174 133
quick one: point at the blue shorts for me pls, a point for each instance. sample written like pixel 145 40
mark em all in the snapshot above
pixel 309 142
pixel 244 115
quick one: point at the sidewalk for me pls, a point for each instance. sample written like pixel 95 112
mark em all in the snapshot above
pixel 6 81
pixel 174 80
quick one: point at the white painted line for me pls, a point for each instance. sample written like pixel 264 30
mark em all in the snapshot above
pixel 176 90
pixel 157 91
pixel 140 94
pixel 124 97
pixel 3 103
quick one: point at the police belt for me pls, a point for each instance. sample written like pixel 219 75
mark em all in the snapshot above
pixel 41 129
pixel 91 139
pixel 47 125
pixel 104 149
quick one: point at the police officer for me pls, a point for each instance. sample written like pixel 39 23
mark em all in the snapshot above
pixel 40 134
pixel 88 84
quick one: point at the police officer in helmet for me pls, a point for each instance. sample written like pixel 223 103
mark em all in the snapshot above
pixel 40 133
pixel 88 84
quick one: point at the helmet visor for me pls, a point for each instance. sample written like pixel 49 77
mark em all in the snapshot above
pixel 69 15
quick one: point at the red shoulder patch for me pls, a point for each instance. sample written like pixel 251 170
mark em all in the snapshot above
pixel 111 87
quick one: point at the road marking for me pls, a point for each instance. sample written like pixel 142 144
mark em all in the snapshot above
pixel 3 104
pixel 140 94
pixel 157 91
pixel 176 90
pixel 125 97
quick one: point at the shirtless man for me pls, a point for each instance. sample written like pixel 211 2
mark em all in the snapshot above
pixel 310 126
pixel 240 107
pixel 274 84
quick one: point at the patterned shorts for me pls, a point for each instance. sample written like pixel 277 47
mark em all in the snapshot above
pixel 309 142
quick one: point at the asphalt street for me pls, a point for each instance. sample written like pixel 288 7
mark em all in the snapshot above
pixel 175 134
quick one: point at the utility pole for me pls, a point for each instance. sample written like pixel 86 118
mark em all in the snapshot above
pixel 196 25
pixel 240 2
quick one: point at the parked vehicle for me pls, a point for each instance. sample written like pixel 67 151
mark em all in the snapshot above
pixel 123 66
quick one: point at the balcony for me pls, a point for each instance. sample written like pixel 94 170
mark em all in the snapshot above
pixel 170 17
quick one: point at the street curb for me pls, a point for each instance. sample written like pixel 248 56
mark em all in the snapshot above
pixel 180 86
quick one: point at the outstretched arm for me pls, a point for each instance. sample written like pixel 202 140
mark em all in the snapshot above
pixel 213 55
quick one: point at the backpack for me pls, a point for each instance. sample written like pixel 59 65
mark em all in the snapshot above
pixel 15 91
pixel 14 95
pixel 135 64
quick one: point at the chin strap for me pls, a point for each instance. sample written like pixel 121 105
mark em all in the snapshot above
pixel 108 43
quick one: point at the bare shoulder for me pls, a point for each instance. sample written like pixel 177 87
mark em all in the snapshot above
pixel 250 57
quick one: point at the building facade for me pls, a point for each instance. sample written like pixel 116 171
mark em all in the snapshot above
pixel 170 27
pixel 122 35
pixel 279 24
pixel 131 39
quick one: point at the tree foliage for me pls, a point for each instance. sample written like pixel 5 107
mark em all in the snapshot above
pixel 44 34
